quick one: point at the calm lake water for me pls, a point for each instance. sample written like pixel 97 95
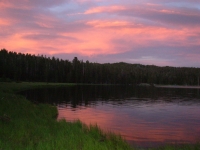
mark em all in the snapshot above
pixel 144 116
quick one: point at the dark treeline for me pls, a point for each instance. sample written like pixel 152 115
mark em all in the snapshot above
pixel 26 67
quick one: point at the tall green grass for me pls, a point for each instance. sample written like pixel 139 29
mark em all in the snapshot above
pixel 26 126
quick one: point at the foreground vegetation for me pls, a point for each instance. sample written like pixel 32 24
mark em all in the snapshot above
pixel 27 126
pixel 24 125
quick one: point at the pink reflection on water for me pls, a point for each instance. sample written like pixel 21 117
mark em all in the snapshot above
pixel 141 125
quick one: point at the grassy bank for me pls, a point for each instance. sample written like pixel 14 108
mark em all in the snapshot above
pixel 26 126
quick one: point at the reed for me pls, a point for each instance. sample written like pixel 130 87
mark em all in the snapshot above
pixel 27 126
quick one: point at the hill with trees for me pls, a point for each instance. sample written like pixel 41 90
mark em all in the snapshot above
pixel 26 67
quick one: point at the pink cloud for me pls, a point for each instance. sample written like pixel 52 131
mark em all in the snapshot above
pixel 31 26
pixel 104 9
pixel 98 40
pixel 108 23
pixel 5 22
pixel 155 12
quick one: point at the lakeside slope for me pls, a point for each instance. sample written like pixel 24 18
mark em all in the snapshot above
pixel 24 125
pixel 27 126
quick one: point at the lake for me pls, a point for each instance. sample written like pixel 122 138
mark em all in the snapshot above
pixel 144 116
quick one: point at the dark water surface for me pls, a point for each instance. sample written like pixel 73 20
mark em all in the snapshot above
pixel 144 116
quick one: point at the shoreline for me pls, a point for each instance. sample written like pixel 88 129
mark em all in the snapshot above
pixel 35 126
pixel 25 125
pixel 177 86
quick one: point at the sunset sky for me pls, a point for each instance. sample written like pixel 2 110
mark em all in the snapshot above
pixel 158 32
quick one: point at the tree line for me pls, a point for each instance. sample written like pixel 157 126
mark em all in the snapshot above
pixel 26 67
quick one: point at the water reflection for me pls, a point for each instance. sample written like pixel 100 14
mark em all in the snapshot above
pixel 143 116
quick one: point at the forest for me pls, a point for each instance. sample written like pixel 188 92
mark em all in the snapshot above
pixel 31 68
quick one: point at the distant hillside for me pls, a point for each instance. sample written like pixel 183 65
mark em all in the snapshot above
pixel 26 67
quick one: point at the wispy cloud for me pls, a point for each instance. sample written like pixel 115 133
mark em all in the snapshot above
pixel 103 9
